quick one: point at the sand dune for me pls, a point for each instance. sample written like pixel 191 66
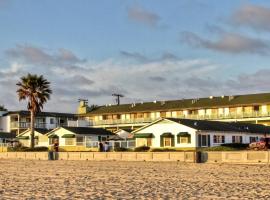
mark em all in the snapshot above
pixel 25 179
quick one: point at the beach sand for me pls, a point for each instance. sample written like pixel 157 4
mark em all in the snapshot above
pixel 25 179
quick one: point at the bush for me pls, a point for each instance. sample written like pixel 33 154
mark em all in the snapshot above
pixel 163 150
pixel 236 145
pixel 121 149
pixel 27 149
pixel 142 149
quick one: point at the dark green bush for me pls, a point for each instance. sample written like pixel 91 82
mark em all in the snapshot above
pixel 163 150
pixel 236 145
pixel 27 149
pixel 142 148
pixel 121 149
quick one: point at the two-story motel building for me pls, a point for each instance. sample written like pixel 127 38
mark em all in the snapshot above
pixel 252 108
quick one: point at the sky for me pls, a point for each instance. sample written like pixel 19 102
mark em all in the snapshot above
pixel 144 49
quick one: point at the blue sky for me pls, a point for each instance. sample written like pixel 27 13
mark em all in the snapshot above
pixel 146 50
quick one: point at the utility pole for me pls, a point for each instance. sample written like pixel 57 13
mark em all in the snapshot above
pixel 117 98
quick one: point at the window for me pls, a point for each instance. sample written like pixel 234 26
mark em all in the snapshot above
pixel 167 141
pixel 237 139
pixel 149 142
pixel 69 141
pixel 36 141
pixel 163 114
pixel 183 139
pixel 139 115
pixel 79 140
pixel 256 108
pixel 253 139
pixel 51 120
pixel 219 139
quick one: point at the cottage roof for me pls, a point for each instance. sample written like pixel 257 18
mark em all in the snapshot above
pixel 40 114
pixel 204 125
pixel 7 135
pixel 88 131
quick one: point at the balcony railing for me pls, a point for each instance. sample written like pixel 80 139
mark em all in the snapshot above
pixel 140 121
pixel 25 125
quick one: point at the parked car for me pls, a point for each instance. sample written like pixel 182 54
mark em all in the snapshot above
pixel 262 144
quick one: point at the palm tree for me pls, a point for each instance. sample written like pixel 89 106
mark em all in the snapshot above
pixel 2 108
pixel 36 90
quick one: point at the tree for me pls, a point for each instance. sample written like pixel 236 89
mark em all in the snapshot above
pixel 36 90
pixel 2 108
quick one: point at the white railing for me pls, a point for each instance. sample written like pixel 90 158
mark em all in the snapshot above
pixel 112 144
pixel 188 116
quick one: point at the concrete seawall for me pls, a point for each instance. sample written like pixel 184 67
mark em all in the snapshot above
pixel 241 157
pixel 102 156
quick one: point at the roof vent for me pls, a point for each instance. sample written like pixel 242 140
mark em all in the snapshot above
pixel 110 104
pixel 141 102
pixel 155 101
pixel 194 101
pixel 222 96
pixel 211 97
pixel 231 98
pixel 162 103
pixel 133 105
pixel 195 123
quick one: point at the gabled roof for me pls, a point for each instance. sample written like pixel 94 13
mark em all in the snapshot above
pixel 88 131
pixel 7 135
pixel 39 130
pixel 204 125
pixel 41 114
pixel 197 103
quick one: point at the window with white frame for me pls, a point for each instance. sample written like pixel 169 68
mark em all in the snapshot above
pixel 237 139
pixel 253 139
pixel 79 140
pixel 69 141
pixel 219 139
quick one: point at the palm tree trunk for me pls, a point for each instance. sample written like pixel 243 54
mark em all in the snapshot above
pixel 32 128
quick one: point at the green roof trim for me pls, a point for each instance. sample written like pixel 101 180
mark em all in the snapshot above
pixel 168 134
pixel 53 136
pixel 183 134
pixel 68 136
pixel 143 135
pixel 23 138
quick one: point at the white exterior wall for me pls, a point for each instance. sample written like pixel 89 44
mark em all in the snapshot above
pixel 172 127
pixel 264 109
pixel 201 112
pixel 41 141
pixel 5 123
pixel 208 111
pixel 174 114
pixel 226 111
pixel 49 125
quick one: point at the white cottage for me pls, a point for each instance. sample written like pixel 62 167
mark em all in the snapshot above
pixel 189 134
pixel 41 139
pixel 78 136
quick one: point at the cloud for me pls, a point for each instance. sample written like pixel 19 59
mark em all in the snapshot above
pixel 29 54
pixel 228 42
pixel 253 16
pixel 138 14
pixel 138 57
pixel 157 78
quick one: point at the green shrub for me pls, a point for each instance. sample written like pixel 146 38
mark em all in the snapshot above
pixel 27 149
pixel 142 149
pixel 121 149
pixel 236 145
pixel 163 150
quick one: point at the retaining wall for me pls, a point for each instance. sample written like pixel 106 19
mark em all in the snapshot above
pixel 103 156
pixel 242 157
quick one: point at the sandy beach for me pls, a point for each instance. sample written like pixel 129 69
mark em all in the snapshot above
pixel 25 179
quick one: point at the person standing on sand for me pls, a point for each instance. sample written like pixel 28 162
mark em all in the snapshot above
pixel 100 145
pixel 56 146
pixel 106 147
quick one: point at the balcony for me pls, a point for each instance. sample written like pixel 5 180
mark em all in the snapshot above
pixel 142 121
pixel 25 125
